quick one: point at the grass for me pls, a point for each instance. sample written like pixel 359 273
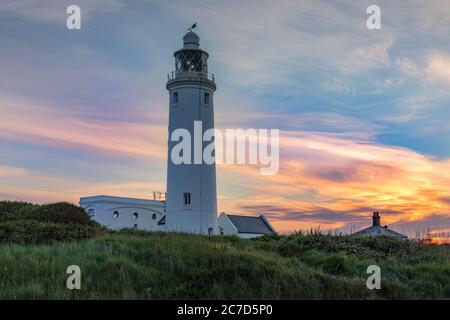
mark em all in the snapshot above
pixel 140 265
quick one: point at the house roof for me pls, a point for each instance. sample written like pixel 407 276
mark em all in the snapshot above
pixel 246 224
pixel 377 230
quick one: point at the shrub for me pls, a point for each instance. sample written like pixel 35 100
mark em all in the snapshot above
pixel 33 224
pixel 36 232
pixel 9 209
pixel 62 212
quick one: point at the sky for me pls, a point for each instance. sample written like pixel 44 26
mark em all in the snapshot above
pixel 363 114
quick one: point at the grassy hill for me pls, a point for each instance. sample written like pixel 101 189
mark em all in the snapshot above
pixel 38 243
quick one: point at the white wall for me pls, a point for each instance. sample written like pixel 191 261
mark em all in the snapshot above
pixel 197 179
pixel 225 226
pixel 149 212
pixel 249 235
pixel 228 228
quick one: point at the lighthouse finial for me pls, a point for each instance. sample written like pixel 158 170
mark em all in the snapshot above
pixel 192 27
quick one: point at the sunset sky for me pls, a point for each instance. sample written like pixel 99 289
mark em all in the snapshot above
pixel 364 116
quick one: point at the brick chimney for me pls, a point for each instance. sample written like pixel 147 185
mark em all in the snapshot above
pixel 376 219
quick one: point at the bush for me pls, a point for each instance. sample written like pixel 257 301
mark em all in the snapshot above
pixel 57 213
pixel 9 209
pixel 28 223
pixel 36 232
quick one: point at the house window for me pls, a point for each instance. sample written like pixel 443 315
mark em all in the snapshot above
pixel 154 216
pixel 187 198
pixel 115 214
pixel 135 226
pixel 91 212
pixel 135 215
pixel 210 231
pixel 175 97
pixel 206 98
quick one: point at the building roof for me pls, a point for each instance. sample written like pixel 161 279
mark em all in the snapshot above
pixel 246 224
pixel 377 230
pixel 191 40
pixel 122 200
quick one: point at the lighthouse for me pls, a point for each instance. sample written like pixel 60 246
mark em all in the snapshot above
pixel 191 204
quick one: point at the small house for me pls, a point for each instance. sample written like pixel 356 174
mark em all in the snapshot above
pixel 244 226
pixel 377 230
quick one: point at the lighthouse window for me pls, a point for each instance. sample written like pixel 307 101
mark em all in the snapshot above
pixel 135 216
pixel 115 214
pixel 187 199
pixel 206 98
pixel 175 97
pixel 188 61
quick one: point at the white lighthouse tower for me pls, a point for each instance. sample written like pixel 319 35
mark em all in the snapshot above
pixel 191 188
pixel 191 202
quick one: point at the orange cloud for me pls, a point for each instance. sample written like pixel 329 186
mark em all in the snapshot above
pixel 335 182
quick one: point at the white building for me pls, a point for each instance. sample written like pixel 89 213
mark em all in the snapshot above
pixel 191 188
pixel 244 226
pixel 191 204
pixel 118 213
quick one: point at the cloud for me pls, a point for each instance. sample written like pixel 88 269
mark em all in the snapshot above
pixel 7 171
pixel 52 192
pixel 27 122
pixel 336 181
pixel 438 68
pixel 55 11
pixel 435 69
pixel 369 57
pixel 23 184
pixel 277 41
pixel 407 66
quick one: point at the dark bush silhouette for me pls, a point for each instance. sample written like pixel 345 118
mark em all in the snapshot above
pixel 34 224
pixel 36 232
pixel 9 209
pixel 57 213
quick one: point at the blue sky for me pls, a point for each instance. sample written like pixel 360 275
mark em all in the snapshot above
pixel 85 111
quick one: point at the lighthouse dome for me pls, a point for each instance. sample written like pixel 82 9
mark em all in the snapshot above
pixel 191 39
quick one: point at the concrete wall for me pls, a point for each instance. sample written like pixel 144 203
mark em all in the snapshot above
pixel 102 209
pixel 225 226
pixel 249 235
pixel 197 179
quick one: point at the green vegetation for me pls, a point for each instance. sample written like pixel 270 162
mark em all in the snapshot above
pixel 135 264
pixel 28 223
